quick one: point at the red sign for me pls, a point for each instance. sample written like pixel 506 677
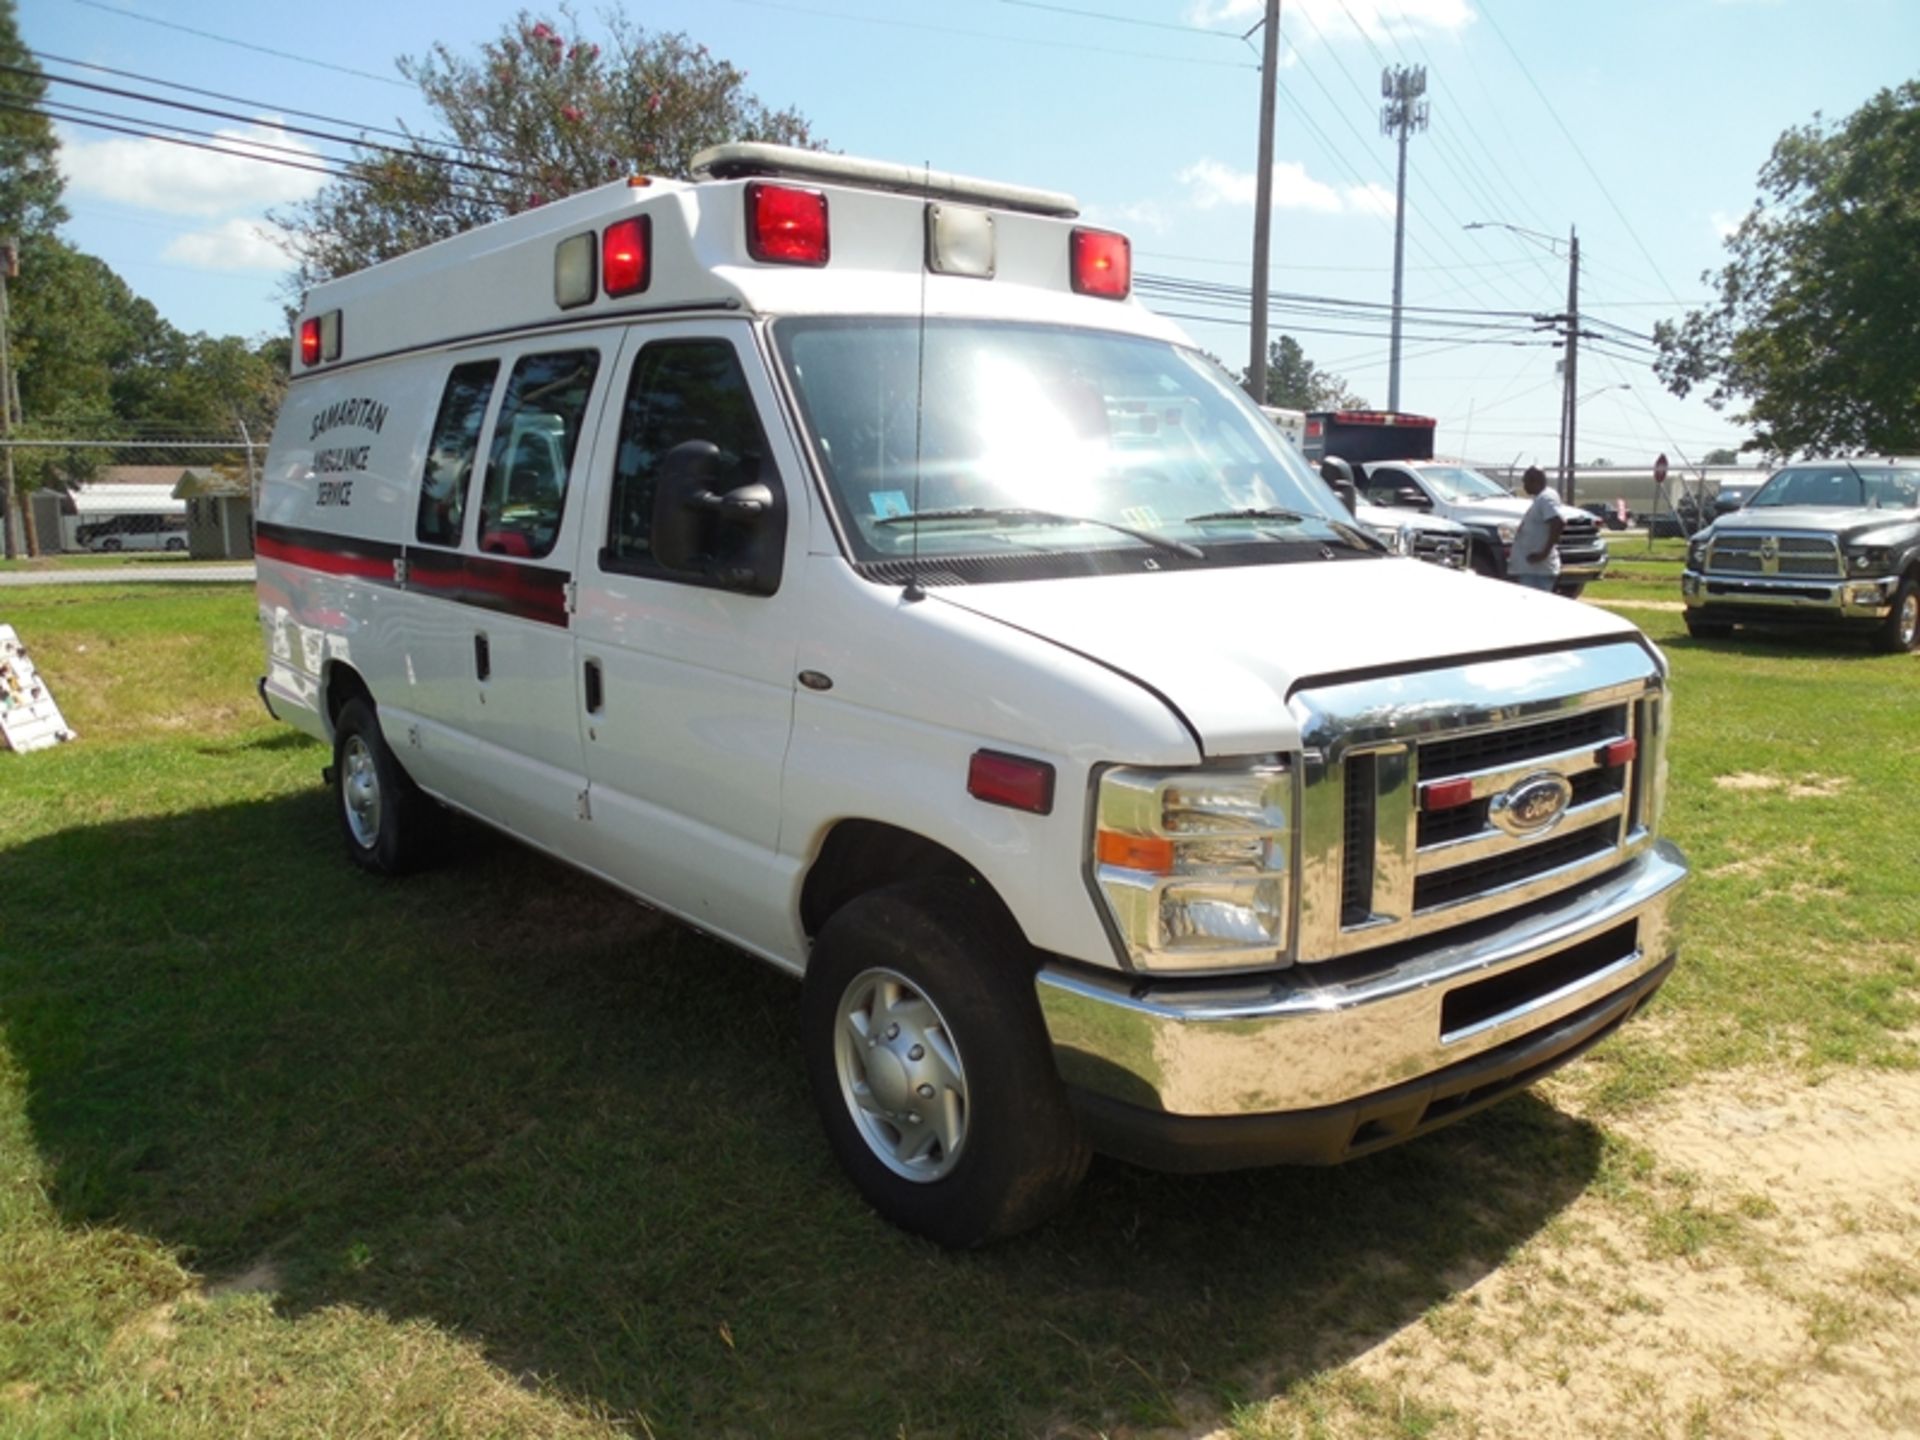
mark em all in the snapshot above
pixel 1660 470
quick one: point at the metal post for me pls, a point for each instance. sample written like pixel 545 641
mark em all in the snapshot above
pixel 1573 358
pixel 9 496
pixel 1263 205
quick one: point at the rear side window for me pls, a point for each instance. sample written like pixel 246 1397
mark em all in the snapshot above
pixel 534 438
pixel 681 390
pixel 456 438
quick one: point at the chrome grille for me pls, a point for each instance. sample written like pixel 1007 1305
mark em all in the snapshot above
pixel 1750 553
pixel 1378 867
pixel 1437 547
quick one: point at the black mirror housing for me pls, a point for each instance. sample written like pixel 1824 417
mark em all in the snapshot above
pixel 715 525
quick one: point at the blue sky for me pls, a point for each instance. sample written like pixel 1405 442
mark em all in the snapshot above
pixel 1643 123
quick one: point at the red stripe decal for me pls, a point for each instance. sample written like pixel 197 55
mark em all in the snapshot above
pixel 531 592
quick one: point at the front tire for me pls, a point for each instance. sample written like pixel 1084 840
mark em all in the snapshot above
pixel 1707 629
pixel 1900 631
pixel 384 818
pixel 931 1066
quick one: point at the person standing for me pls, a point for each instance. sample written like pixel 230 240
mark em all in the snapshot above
pixel 1535 561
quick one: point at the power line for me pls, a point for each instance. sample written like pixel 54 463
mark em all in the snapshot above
pixel 1619 214
pixel 243 44
pixel 1112 19
pixel 271 108
pixel 1079 47
pixel 360 141
pixel 331 173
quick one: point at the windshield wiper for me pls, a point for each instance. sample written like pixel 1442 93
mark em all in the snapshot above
pixel 1026 514
pixel 1270 513
pixel 1352 536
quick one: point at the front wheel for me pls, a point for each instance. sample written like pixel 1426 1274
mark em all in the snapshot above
pixel 1900 632
pixel 1572 589
pixel 1707 629
pixel 931 1066
pixel 384 818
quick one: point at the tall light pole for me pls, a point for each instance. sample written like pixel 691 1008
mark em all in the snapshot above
pixel 1263 204
pixel 1404 87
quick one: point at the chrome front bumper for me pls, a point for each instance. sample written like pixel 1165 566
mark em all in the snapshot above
pixel 1868 598
pixel 1331 1037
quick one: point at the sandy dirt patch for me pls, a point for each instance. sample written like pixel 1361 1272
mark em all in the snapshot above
pixel 1807 787
pixel 1796 1313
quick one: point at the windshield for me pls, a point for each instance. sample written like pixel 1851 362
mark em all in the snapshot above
pixel 1038 439
pixel 1456 482
pixel 1873 487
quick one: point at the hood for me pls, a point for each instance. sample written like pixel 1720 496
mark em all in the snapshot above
pixel 1510 511
pixel 1823 519
pixel 1227 647
pixel 1385 517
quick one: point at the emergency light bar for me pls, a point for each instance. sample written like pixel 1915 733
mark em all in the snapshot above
pixel 1383 417
pixel 746 160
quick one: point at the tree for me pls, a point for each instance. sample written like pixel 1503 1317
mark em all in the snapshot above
pixel 1296 383
pixel 30 181
pixel 540 113
pixel 1817 326
pixel 1721 457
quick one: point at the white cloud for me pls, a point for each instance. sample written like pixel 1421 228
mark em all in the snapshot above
pixel 1141 215
pixel 236 244
pixel 182 181
pixel 1334 19
pixel 1724 224
pixel 1211 184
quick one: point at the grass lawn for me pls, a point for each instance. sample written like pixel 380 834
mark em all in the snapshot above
pixel 287 1150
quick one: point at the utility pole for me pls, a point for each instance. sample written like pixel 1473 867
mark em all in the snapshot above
pixel 9 497
pixel 1405 112
pixel 1263 204
pixel 1573 365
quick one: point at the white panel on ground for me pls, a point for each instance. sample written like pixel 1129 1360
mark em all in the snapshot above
pixel 29 720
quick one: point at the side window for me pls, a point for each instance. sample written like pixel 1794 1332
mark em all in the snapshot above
pixel 456 436
pixel 681 390
pixel 534 438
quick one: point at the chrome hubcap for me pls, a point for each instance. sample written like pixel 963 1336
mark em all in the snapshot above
pixel 360 789
pixel 1909 619
pixel 900 1075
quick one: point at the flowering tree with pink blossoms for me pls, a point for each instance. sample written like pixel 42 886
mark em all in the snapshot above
pixel 540 112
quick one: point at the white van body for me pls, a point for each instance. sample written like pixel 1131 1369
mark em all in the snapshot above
pixel 1178 765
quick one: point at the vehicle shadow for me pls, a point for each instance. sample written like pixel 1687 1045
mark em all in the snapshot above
pixel 503 1099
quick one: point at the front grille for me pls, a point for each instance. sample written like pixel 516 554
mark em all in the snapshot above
pixel 1474 1005
pixel 1437 548
pixel 1378 867
pixel 1755 554
pixel 1450 887
pixel 1441 758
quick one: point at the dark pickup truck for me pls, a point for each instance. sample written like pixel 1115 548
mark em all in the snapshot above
pixel 1823 542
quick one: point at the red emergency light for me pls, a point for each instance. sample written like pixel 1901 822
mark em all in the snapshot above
pixel 310 342
pixel 1102 264
pixel 626 256
pixel 786 226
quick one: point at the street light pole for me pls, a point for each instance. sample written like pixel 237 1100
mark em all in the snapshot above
pixel 1570 369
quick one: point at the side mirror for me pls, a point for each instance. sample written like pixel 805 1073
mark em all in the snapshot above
pixel 1339 477
pixel 728 534
pixel 1412 497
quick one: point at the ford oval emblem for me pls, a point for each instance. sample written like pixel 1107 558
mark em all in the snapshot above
pixel 1531 806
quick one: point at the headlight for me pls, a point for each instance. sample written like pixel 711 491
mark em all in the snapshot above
pixel 1697 553
pixel 1870 558
pixel 1505 532
pixel 1193 865
pixel 1394 540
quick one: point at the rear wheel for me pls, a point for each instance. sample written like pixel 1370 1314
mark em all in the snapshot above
pixel 1900 631
pixel 386 821
pixel 1483 563
pixel 931 1067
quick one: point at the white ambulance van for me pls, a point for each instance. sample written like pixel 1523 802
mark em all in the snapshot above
pixel 834 555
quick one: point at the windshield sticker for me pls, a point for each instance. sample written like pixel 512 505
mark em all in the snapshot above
pixel 887 503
